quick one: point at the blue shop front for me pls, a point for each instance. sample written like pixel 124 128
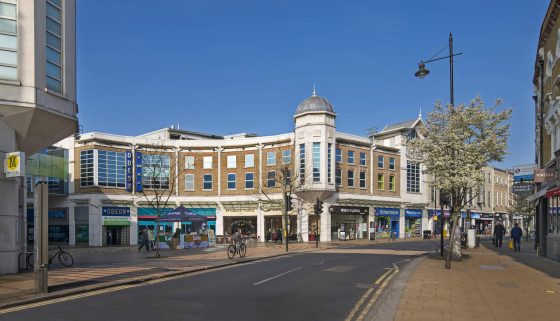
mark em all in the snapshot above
pixel 387 221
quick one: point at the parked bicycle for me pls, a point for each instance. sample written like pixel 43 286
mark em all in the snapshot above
pixel 237 247
pixel 250 240
pixel 63 257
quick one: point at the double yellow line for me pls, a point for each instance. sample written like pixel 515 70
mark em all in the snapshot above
pixel 379 284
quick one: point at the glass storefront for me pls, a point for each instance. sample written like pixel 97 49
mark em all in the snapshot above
pixel 247 225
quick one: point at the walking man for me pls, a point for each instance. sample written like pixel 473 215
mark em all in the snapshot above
pixel 499 231
pixel 516 234
pixel 151 238
pixel 145 242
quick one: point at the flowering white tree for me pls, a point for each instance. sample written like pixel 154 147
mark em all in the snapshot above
pixel 454 145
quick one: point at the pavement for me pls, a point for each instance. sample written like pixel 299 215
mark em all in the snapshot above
pixel 488 284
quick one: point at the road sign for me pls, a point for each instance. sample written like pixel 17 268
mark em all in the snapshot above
pixel 523 188
pixel 524 172
pixel 14 164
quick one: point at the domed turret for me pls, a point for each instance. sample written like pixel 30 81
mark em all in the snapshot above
pixel 314 104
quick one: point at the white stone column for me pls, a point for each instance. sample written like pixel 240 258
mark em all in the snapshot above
pixel 133 225
pixel 219 222
pixel 303 224
pixel 371 218
pixel 95 226
pixel 425 221
pixel 325 224
pixel 260 224
pixel 71 226
pixel 401 223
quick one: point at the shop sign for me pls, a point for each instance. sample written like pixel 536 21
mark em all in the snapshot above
pixel 348 210
pixel 14 164
pixel 446 213
pixel 486 215
pixel 138 171
pixel 409 212
pixel 385 211
pixel 545 175
pixel 555 192
pixel 128 171
pixel 115 211
pixel 524 172
pixel 116 220
pixel 523 188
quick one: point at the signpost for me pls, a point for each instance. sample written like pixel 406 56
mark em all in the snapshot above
pixel 524 172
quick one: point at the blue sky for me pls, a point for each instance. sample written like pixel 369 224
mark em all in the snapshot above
pixel 231 66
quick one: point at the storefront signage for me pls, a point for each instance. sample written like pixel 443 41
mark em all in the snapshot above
pixel 431 213
pixel 14 164
pixel 545 175
pixel 385 211
pixel 116 220
pixel 129 171
pixel 138 171
pixel 115 211
pixel 409 212
pixel 524 172
pixel 523 188
pixel 348 210
pixel 555 192
pixel 486 216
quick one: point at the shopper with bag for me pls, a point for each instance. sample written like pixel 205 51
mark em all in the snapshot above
pixel 516 234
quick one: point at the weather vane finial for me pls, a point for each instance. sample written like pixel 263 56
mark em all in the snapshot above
pixel 314 92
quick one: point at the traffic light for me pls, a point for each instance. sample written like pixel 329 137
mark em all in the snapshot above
pixel 318 207
pixel 288 204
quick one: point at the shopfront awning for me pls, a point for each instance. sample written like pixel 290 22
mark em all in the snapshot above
pixel 554 192
pixel 182 214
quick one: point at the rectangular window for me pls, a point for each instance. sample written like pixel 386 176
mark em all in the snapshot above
pixel 207 162
pixel 189 162
pixel 362 179
pixel 53 64
pixel 363 159
pixel 155 171
pixel 391 163
pixel 207 182
pixel 271 158
pixel 350 157
pixel 380 182
pixel 86 168
pixel 316 162
pixel 111 168
pixel 338 176
pixel 249 160
pixel 189 182
pixel 412 177
pixel 231 161
pixel 329 162
pixel 271 179
pixel 350 178
pixel 286 156
pixel 302 163
pixel 392 183
pixel 8 41
pixel 338 155
pixel 249 180
pixel 231 180
pixel 380 162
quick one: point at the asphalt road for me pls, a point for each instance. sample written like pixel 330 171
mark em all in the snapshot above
pixel 311 286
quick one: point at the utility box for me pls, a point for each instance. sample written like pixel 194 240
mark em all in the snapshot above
pixel 471 238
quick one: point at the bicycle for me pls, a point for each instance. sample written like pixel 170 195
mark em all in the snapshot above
pixel 238 247
pixel 250 240
pixel 63 257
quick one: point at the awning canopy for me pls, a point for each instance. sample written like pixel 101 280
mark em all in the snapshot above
pixel 182 214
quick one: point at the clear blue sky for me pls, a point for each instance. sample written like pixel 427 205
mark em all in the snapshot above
pixel 230 66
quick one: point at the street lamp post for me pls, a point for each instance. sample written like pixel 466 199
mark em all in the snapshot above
pixel 423 72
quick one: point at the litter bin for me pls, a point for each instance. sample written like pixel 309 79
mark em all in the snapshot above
pixel 463 240
pixel 427 234
pixel 477 241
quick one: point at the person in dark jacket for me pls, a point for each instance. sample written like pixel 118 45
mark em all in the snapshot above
pixel 499 231
pixel 516 234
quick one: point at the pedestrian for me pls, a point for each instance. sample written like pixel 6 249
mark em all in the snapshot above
pixel 516 234
pixel 151 238
pixel 144 242
pixel 499 232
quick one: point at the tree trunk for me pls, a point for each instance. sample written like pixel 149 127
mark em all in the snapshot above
pixel 454 247
pixel 157 237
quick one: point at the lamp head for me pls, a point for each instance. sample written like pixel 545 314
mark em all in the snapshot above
pixel 422 71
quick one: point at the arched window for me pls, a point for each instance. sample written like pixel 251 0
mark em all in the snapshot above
pixel 549 62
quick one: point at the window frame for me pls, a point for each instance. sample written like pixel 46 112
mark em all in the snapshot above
pixel 229 181
pixel 271 179
pixel 231 161
pixel 392 183
pixel 250 157
pixel 338 178
pixel 192 181
pixel 380 182
pixel 392 163
pixel 187 164
pixel 363 180
pixel 363 159
pixel 287 156
pixel 207 164
pixel 252 180
pixel 270 161
pixel 338 155
pixel 204 182
pixel 350 178
pixel 380 161
pixel 350 157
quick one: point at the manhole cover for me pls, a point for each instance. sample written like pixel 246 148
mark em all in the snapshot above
pixel 339 268
pixel 492 267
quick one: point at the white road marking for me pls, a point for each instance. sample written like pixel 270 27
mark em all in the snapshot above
pixel 277 276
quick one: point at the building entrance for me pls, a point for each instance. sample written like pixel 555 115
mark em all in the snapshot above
pixel 116 235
